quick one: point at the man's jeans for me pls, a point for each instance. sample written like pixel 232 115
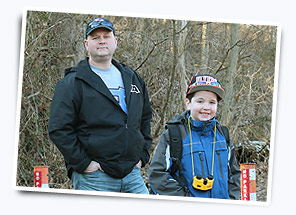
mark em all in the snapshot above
pixel 99 181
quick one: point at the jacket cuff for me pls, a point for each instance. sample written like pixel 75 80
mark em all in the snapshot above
pixel 83 165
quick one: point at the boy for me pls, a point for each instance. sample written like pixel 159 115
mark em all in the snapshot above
pixel 194 156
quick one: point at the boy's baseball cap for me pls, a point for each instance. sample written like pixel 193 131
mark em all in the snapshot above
pixel 205 83
pixel 99 23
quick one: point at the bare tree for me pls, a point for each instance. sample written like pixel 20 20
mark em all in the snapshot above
pixel 204 48
pixel 227 109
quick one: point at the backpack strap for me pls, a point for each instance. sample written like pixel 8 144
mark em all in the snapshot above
pixel 176 150
pixel 225 132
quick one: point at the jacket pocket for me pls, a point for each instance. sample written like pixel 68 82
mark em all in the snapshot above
pixel 194 157
pixel 222 158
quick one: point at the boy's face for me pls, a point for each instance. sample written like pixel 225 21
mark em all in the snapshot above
pixel 203 105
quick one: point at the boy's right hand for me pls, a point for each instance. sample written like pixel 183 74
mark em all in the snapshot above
pixel 92 167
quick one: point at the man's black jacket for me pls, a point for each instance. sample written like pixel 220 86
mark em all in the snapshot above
pixel 86 123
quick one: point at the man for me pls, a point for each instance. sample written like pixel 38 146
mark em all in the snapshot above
pixel 100 118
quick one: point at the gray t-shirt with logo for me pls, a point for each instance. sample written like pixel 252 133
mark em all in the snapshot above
pixel 113 80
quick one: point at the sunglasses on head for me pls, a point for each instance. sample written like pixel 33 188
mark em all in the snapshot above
pixel 99 22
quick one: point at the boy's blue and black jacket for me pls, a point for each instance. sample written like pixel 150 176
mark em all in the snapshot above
pixel 226 171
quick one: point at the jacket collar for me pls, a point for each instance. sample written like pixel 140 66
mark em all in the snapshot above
pixel 85 73
pixel 204 126
pixel 127 78
pixel 197 125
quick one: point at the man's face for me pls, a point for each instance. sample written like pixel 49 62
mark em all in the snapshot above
pixel 203 105
pixel 101 43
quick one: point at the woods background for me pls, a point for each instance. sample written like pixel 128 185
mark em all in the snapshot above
pixel 166 53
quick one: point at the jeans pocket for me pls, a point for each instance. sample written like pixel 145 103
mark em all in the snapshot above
pixel 94 175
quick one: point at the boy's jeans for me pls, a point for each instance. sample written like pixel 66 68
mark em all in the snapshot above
pixel 99 181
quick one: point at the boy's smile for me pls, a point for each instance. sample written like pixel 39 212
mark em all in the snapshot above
pixel 203 105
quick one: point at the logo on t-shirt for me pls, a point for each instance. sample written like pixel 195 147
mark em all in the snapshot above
pixel 119 95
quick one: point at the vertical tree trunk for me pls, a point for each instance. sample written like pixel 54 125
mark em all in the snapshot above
pixel 204 49
pixel 182 64
pixel 171 81
pixel 75 33
pixel 227 111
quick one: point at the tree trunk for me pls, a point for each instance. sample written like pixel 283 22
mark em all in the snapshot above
pixel 227 110
pixel 171 81
pixel 182 64
pixel 204 49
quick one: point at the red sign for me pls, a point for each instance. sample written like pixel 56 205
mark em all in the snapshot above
pixel 245 184
pixel 41 176
pixel 38 178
